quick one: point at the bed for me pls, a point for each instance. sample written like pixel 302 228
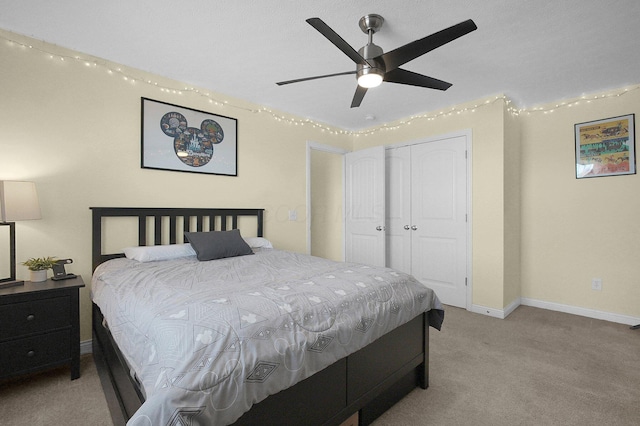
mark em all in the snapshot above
pixel 327 387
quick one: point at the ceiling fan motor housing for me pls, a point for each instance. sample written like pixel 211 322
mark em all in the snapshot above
pixel 369 52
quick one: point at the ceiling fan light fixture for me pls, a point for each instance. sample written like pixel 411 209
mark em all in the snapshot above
pixel 370 80
pixel 370 75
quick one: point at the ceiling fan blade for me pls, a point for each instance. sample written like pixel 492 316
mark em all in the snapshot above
pixel 410 51
pixel 298 80
pixel 414 79
pixel 357 97
pixel 338 41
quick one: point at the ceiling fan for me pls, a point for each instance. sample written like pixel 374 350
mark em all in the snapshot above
pixel 373 66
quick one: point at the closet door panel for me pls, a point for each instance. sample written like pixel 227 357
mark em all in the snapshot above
pixel 365 207
pixel 437 265
pixel 398 208
pixel 438 215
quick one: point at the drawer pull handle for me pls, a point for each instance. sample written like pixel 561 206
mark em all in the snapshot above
pixel 30 317
pixel 31 353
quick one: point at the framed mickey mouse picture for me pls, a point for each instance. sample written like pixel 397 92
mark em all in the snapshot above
pixel 187 140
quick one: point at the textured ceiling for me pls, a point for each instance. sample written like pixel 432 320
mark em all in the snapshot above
pixel 533 51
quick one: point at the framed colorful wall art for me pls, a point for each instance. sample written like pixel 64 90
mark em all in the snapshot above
pixel 606 147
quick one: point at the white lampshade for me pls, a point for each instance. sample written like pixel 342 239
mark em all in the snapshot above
pixel 18 201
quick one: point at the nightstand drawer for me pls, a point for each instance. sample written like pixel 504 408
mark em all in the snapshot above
pixel 33 352
pixel 34 316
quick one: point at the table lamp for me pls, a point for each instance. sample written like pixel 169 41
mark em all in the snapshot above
pixel 18 201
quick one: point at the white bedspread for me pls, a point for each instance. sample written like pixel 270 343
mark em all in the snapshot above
pixel 209 339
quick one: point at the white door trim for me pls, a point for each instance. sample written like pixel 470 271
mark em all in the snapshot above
pixel 333 150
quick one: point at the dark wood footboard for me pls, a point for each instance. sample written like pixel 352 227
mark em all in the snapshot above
pixel 368 381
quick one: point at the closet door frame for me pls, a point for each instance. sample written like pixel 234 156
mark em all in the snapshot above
pixel 332 150
pixel 398 207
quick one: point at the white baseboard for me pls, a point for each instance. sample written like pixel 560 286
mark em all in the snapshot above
pixel 584 312
pixel 492 312
pixel 496 313
pixel 86 347
pixel 568 309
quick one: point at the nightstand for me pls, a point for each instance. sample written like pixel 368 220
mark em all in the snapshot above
pixel 40 327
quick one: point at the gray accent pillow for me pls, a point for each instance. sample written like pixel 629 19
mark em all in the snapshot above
pixel 218 244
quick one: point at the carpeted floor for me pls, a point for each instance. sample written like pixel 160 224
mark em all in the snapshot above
pixel 536 367
pixel 52 398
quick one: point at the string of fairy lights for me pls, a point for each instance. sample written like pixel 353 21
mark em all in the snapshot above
pixel 131 78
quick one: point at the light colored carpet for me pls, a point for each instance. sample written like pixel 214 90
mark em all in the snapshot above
pixel 537 367
pixel 52 398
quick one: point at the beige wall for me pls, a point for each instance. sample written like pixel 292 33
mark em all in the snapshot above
pixel 326 205
pixel 576 229
pixel 512 208
pixel 75 130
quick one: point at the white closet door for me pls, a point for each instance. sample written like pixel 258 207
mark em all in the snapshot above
pixel 438 214
pixel 365 206
pixel 398 211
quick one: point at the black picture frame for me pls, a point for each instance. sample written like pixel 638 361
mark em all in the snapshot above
pixel 182 139
pixel 606 147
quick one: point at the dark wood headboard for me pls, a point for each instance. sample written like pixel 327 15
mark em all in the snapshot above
pixel 175 215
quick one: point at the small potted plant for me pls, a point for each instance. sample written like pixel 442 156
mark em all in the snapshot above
pixel 38 267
